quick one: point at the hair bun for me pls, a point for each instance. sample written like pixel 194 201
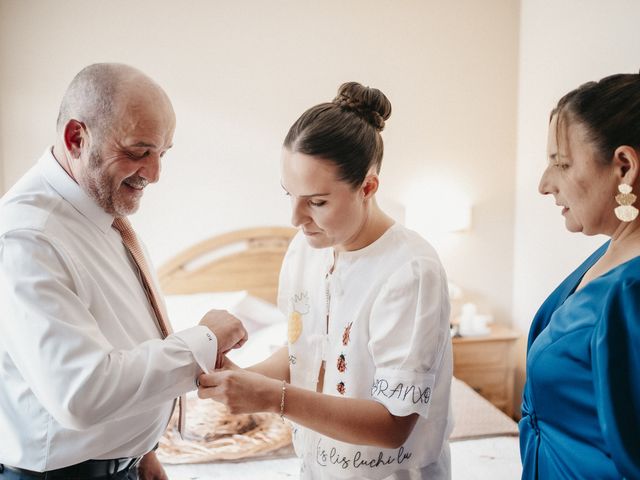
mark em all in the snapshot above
pixel 369 103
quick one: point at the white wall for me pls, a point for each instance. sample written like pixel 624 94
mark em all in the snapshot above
pixel 239 73
pixel 2 105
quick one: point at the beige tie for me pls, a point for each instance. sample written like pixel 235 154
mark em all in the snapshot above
pixel 130 241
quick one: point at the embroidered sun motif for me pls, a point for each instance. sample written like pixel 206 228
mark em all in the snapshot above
pixel 346 335
pixel 299 307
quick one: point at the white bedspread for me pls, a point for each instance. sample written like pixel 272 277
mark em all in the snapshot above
pixel 495 458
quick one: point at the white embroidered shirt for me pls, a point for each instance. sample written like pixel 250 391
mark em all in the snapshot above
pixel 388 340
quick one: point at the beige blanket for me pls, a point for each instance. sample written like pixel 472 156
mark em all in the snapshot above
pixel 476 417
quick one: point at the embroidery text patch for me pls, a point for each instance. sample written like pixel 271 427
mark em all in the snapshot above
pixel 330 455
pixel 408 392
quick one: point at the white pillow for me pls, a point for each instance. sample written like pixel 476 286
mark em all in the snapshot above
pixel 187 310
pixel 261 345
pixel 255 312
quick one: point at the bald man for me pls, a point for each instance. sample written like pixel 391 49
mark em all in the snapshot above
pixel 89 373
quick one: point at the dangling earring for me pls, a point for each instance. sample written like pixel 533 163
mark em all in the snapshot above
pixel 626 212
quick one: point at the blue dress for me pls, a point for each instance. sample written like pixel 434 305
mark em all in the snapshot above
pixel 581 402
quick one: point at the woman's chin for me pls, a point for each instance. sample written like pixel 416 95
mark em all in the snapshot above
pixel 572 226
pixel 317 241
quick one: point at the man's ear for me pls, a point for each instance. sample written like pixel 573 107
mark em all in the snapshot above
pixel 75 136
pixel 370 185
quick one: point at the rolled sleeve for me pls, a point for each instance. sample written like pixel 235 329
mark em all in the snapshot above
pixel 408 333
pixel 403 392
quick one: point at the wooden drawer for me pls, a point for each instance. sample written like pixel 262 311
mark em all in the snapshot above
pixel 486 364
pixel 485 354
pixel 492 384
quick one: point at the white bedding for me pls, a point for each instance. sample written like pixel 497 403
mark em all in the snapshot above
pixel 186 310
pixel 495 458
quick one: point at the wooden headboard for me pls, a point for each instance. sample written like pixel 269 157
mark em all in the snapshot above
pixel 246 259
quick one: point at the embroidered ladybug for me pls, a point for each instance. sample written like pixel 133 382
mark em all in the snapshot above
pixel 341 388
pixel 342 363
pixel 346 334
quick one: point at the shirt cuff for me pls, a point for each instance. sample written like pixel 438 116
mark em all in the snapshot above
pixel 403 392
pixel 203 345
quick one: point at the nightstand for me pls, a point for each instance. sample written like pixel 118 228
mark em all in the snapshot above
pixel 486 363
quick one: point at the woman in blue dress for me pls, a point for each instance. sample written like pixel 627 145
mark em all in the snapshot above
pixel 581 405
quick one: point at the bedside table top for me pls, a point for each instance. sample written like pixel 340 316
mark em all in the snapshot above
pixel 498 332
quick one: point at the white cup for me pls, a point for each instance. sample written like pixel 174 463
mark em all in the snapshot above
pixel 479 324
pixel 474 324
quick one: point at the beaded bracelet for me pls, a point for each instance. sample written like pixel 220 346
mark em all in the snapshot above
pixel 284 389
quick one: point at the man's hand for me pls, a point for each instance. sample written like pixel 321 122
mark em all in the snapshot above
pixel 225 364
pixel 228 330
pixel 150 468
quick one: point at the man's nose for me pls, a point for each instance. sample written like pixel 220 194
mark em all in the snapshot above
pixel 150 171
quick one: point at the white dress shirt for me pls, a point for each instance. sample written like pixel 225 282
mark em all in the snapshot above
pixel 388 340
pixel 84 373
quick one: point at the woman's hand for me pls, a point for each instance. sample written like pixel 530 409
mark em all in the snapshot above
pixel 241 391
pixel 352 420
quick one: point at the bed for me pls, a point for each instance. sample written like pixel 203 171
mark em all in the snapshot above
pixel 238 271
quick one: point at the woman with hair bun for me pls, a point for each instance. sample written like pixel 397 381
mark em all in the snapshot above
pixel 581 402
pixel 366 374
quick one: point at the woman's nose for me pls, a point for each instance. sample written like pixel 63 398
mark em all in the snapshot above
pixel 545 187
pixel 298 215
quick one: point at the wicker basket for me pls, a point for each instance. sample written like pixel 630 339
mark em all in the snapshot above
pixel 214 434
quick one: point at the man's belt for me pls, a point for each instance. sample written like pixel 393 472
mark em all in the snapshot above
pixel 88 469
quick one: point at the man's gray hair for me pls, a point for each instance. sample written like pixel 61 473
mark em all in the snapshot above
pixel 90 97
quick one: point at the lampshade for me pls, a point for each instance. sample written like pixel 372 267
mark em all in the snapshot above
pixel 429 216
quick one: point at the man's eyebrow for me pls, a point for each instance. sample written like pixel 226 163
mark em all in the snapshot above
pixel 148 145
